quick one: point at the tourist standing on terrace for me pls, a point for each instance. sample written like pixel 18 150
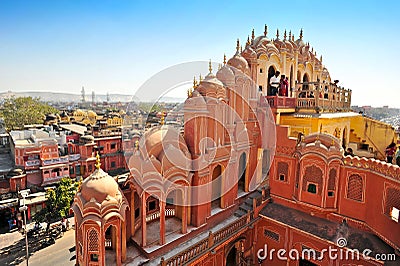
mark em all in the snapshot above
pixel 283 86
pixel 274 83
pixel 390 151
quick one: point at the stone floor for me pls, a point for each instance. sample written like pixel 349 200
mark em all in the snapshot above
pixel 173 226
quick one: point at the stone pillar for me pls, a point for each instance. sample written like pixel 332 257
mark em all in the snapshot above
pixel 132 213
pixel 123 241
pixel 184 211
pixel 144 225
pixel 284 64
pixel 117 232
pixel 162 222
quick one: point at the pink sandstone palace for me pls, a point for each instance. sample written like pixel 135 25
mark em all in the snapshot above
pixel 242 179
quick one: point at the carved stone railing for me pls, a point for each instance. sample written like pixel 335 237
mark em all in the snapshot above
pixel 169 212
pixel 207 244
pixel 373 165
pixel 326 96
pixel 281 101
pixel 152 216
pixel 108 243
pixel 313 95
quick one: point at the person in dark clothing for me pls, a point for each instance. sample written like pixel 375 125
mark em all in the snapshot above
pixel 390 151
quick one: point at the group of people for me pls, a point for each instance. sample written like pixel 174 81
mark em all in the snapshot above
pixel 391 153
pixel 279 86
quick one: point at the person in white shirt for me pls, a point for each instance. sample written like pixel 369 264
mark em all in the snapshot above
pixel 274 83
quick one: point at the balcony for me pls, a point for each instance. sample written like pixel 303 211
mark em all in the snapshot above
pixel 314 96
pixel 58 160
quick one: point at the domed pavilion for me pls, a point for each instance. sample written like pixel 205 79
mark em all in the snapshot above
pixel 99 209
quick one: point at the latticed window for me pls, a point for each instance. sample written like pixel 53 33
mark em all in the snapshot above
pixel 283 170
pixel 392 200
pixel 313 174
pixel 93 238
pixel 271 234
pixel 332 179
pixel 355 188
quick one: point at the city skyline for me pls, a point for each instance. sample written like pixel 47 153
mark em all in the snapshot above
pixel 116 46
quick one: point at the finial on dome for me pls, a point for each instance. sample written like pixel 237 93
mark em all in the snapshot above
pixel 265 30
pixel 301 34
pixel 210 66
pixel 284 36
pixel 98 164
pixel 293 38
pixel 137 145
pixel 277 34
pixel 189 93
pixel 224 59
pixel 237 45
pixel 252 35
pixel 312 49
pixel 200 78
pixel 248 40
pixel 320 58
pixel 194 82
pixel 290 35
pixel 162 120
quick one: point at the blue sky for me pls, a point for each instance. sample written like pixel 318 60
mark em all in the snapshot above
pixel 115 46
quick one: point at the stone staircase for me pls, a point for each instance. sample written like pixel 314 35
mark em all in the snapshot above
pixel 247 204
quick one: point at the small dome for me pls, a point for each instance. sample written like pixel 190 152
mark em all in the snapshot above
pixel 261 40
pixel 249 53
pixel 99 186
pixel 79 112
pixel 271 48
pixel 238 62
pixel 226 75
pixel 279 44
pixel 91 114
pixel 160 137
pixel 209 86
pixel 288 45
pixel 300 42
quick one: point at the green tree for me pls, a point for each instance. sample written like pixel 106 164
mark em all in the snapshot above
pixel 58 201
pixel 21 111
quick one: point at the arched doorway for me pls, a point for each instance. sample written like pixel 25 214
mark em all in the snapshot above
pixel 216 188
pixel 271 73
pixel 111 245
pixel 306 79
pixel 235 255
pixel 298 76
pixel 242 173
pixel 231 259
pixel 176 212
